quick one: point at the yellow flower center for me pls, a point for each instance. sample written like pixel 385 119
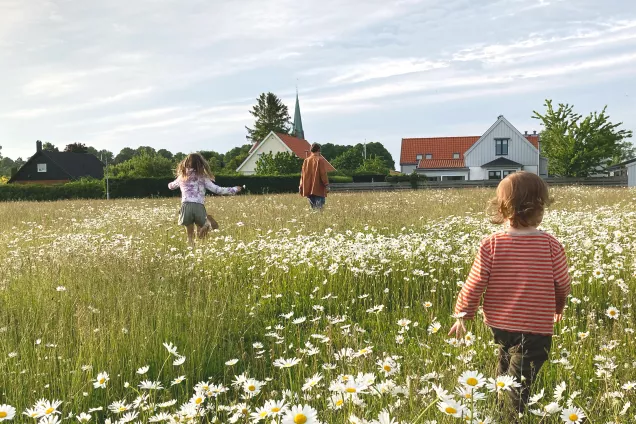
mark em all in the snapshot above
pixel 339 402
pixel 387 368
pixel 573 417
pixel 500 384
pixel 244 411
pixel 50 410
pixel 102 380
pixel 472 381
pixel 467 395
pixel 198 400
pixel 612 312
pixel 300 419
pixel 435 330
pixel 275 409
pixel 263 414
pixel 122 409
pixel 251 388
pixel 3 414
pixel 450 410
pixel 351 390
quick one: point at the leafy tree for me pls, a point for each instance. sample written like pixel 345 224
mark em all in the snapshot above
pixel 373 165
pixel 349 161
pixel 331 151
pixel 103 155
pixel 0 152
pixel 144 165
pixel 179 156
pixel 283 163
pixel 145 149
pixel 378 149
pixel 235 162
pixel 49 147
pixel 577 146
pixel 124 155
pixel 271 115
pixel 76 148
pixel 5 166
pixel 165 153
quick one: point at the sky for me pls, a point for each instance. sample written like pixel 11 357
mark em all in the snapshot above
pixel 183 74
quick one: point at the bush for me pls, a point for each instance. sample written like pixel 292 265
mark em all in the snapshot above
pixel 367 178
pixel 81 189
pixel 340 179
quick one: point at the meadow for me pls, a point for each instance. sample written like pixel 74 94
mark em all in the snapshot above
pixel 287 316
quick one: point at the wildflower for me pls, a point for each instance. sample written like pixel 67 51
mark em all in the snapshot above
pixel 259 414
pixel 101 380
pixel 128 417
pixel 179 361
pixel 612 312
pixel 299 320
pixel 434 327
pixel 178 380
pixel 7 412
pixel 252 387
pixel 83 417
pixel 46 408
pixel 311 382
pixel 384 418
pixel 118 407
pixel 503 383
pixel 276 407
pixel 428 304
pixel 472 379
pixel 150 385
pixel 61 288
pixel 162 416
pixel 172 349
pixel 286 363
pixel 388 366
pixel 143 370
pixel 197 399
pixel 404 323
pixel 450 407
pixel 336 401
pixel 231 362
pixel 572 415
pixel 301 414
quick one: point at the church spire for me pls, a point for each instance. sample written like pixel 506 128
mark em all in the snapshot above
pixel 297 129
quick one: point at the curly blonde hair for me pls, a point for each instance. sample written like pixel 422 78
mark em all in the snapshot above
pixel 197 163
pixel 521 199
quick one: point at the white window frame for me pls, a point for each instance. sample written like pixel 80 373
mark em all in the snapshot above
pixel 494 170
pixel 429 156
pixel 456 155
pixel 418 157
pixel 41 167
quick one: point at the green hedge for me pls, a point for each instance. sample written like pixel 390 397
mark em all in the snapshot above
pixel 146 187
pixel 368 178
pixel 82 189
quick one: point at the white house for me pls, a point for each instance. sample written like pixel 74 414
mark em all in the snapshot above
pixel 630 165
pixel 500 151
pixel 275 143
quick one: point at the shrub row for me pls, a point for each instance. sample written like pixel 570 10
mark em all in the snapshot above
pixel 146 187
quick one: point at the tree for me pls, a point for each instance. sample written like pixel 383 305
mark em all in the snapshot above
pixel 49 147
pixel 331 151
pixel 144 165
pixel 165 153
pixel 373 165
pixel 235 157
pixel 283 163
pixel 349 161
pixel 76 148
pixel 378 149
pixel 577 146
pixel 271 115
pixel 179 156
pixel 125 154
pixel 103 155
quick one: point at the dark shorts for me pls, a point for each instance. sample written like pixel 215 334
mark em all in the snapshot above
pixel 192 213
pixel 317 202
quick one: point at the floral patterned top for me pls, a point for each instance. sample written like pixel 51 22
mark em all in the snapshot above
pixel 193 188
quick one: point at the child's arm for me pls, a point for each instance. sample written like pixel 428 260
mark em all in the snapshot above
pixel 561 277
pixel 322 167
pixel 210 186
pixel 175 184
pixel 475 285
pixel 302 174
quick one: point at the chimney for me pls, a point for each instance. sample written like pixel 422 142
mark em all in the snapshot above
pixel 38 146
pixel 534 132
pixel 526 132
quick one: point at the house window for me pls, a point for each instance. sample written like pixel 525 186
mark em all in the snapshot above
pixel 455 155
pixel 506 173
pixel 429 156
pixel 41 167
pixel 418 157
pixel 501 146
pixel 432 178
pixel 454 178
pixel 494 175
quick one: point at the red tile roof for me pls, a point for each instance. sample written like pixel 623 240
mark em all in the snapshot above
pixel 300 147
pixel 441 163
pixel 442 148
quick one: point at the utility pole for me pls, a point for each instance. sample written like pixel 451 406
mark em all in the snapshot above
pixel 107 186
pixel 538 153
pixel 365 149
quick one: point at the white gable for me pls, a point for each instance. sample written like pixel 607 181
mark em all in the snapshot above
pixel 520 150
pixel 271 144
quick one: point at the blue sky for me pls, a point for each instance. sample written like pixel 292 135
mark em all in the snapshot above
pixel 182 74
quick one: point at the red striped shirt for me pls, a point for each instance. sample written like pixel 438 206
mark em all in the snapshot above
pixel 525 279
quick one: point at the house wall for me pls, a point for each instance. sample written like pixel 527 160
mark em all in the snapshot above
pixel 444 173
pixel 29 172
pixel 408 169
pixel 520 150
pixel 631 174
pixel 544 167
pixel 270 145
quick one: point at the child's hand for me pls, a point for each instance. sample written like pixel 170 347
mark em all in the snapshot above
pixel 558 317
pixel 458 329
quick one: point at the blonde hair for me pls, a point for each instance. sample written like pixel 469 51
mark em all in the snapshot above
pixel 521 198
pixel 197 163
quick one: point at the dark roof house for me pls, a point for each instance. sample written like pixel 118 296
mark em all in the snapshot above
pixel 47 167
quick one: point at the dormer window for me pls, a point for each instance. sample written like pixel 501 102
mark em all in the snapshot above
pixel 41 167
pixel 501 146
pixel 429 156
pixel 418 157
pixel 455 155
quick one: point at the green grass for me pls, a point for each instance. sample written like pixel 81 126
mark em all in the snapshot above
pixel 131 283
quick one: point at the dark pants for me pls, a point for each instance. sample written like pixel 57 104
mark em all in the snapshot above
pixel 316 202
pixel 521 355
